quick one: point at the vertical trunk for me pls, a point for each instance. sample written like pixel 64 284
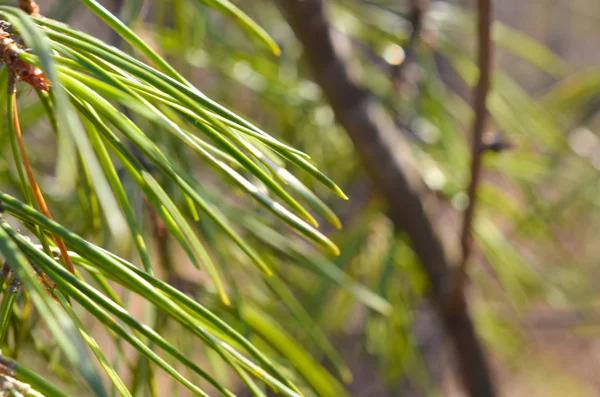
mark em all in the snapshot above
pixel 385 156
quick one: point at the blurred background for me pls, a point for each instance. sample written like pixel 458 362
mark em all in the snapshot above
pixel 532 290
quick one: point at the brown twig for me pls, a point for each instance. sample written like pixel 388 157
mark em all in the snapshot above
pixel 37 193
pixel 11 46
pixel 30 7
pixel 405 72
pixel 387 160
pixel 563 320
pixel 484 23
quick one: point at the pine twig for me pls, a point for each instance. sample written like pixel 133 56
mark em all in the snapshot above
pixel 37 193
pixel 484 23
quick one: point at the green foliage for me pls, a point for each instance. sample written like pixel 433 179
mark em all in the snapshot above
pixel 116 145
pixel 521 232
pixel 95 87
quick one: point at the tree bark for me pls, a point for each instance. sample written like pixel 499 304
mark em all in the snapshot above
pixel 386 158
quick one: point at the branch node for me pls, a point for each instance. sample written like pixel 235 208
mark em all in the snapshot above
pixel 496 143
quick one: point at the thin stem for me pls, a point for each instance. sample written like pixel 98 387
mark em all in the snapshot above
pixel 402 73
pixel 27 192
pixel 37 193
pixel 484 21
pixel 15 151
pixel 6 307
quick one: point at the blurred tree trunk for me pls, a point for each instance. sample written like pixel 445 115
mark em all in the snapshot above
pixel 386 158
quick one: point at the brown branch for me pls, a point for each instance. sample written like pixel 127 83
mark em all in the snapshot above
pixel 563 319
pixel 386 158
pixel 406 72
pixel 30 7
pixel 481 90
pixel 10 50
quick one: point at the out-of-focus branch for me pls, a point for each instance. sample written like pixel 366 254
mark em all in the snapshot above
pixel 564 319
pixel 406 72
pixel 485 65
pixel 386 158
